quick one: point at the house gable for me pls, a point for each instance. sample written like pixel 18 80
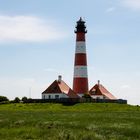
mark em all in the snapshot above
pixel 59 87
pixel 53 88
pixel 100 91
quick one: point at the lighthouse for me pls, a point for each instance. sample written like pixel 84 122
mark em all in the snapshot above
pixel 60 91
pixel 80 79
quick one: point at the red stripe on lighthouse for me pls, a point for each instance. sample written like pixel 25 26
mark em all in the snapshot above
pixel 80 85
pixel 80 59
pixel 80 37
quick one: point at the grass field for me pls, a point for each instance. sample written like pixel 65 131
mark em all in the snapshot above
pixel 87 121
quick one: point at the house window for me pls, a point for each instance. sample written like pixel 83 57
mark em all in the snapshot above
pixel 44 97
pixel 56 96
pixel 49 96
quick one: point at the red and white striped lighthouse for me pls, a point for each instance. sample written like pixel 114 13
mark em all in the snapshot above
pixel 80 80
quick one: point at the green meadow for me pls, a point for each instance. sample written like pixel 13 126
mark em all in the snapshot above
pixel 87 121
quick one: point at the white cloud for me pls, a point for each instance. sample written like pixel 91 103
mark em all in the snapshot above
pixel 51 70
pixel 28 28
pixel 111 9
pixel 133 4
pixel 19 87
pixel 125 87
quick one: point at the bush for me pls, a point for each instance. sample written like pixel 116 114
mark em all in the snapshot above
pixel 3 99
pixel 86 95
pixel 16 100
pixel 24 99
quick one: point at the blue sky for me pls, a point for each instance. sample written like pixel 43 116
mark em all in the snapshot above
pixel 37 43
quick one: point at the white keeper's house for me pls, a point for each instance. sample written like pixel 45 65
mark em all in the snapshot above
pixel 59 89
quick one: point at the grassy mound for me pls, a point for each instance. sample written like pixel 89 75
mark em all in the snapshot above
pixel 89 121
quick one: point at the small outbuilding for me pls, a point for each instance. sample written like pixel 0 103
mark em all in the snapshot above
pixel 98 91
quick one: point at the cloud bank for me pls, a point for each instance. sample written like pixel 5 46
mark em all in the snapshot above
pixel 111 9
pixel 28 29
pixel 133 4
pixel 20 87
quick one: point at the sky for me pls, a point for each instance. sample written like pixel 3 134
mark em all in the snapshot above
pixel 37 43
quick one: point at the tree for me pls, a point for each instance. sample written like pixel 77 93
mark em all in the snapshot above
pixel 3 98
pixel 24 99
pixel 16 100
pixel 86 95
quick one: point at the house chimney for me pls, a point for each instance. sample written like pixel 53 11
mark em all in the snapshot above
pixel 98 82
pixel 59 78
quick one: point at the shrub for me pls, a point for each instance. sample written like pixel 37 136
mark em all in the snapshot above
pixel 24 99
pixel 16 100
pixel 86 95
pixel 3 98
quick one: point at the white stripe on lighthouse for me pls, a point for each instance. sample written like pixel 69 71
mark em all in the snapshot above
pixel 80 47
pixel 80 72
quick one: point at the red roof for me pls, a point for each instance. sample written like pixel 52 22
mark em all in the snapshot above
pixel 99 89
pixel 60 87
